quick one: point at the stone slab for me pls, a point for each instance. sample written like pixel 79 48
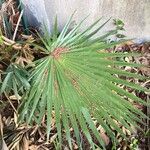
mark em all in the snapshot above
pixel 134 13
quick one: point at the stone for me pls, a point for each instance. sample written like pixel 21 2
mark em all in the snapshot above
pixel 134 13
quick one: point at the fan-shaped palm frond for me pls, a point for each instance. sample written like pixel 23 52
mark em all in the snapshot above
pixel 76 80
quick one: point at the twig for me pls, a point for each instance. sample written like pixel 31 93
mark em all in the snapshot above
pixel 11 43
pixel 7 40
pixel 1 126
pixel 4 25
pixel 14 36
pixel 10 103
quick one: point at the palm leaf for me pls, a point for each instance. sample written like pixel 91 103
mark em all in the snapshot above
pixel 77 81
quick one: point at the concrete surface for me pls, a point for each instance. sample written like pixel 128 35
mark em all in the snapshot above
pixel 134 13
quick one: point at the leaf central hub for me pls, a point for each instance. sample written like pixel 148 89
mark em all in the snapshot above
pixel 58 51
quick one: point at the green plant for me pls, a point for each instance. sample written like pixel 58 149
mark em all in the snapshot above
pixel 77 81
pixel 134 144
pixel 119 26
pixel 15 79
pixel 24 18
pixel 1 40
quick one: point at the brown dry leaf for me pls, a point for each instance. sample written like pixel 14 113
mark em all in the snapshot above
pixel 124 130
pixel 66 148
pixel 25 143
pixel 5 5
pixel 33 147
pixel 8 121
pixel 103 135
pixel 139 106
pixel 52 139
pixel 23 61
pixel 9 42
pixel 13 97
pixel 128 43
pixel 14 142
pixel 4 146
pixel 1 126
pixel 14 19
pixel 128 132
pixel 145 70
pixel 34 130
pixel 29 38
pixel 1 67
pixel 43 148
pixel 75 146
pixel 16 120
pixel 42 136
pixel 105 138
